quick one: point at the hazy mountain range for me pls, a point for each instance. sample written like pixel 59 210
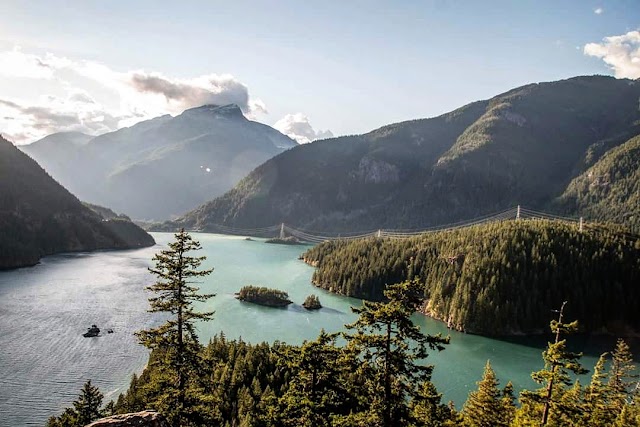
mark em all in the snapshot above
pixel 555 146
pixel 161 167
pixel 39 217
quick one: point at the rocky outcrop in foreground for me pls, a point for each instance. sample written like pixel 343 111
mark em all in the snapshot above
pixel 137 419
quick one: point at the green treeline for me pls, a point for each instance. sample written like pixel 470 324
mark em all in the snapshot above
pixel 498 278
pixel 264 296
pixel 235 382
pixel 321 383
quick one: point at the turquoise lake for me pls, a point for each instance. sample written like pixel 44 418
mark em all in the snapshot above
pixel 44 360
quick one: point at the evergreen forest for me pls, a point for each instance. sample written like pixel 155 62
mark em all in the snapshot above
pixel 323 383
pixel 499 278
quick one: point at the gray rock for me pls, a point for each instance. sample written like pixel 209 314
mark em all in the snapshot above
pixel 137 419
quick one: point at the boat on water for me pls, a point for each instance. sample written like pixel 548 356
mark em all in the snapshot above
pixel 93 331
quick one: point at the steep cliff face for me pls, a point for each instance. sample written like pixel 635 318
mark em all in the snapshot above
pixel 39 217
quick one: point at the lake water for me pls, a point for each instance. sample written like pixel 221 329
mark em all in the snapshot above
pixel 44 360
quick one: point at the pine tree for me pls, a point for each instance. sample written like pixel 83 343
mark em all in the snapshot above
pixel 559 361
pixel 175 341
pixel 427 409
pixel 630 415
pixel 87 407
pixel 69 418
pixel 621 376
pixel 597 397
pixel 509 402
pixel 487 406
pixel 391 344
pixel 321 383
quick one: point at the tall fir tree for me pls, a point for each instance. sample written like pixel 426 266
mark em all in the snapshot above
pixel 598 408
pixel 88 404
pixel 489 406
pixel 391 344
pixel 320 387
pixel 630 414
pixel 509 402
pixel 175 341
pixel 622 379
pixel 427 409
pixel 559 363
pixel 86 409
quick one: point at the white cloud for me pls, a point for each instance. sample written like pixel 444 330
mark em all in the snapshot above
pixel 77 112
pixel 15 63
pixel 183 94
pixel 297 126
pixel 598 11
pixel 620 53
pixel 126 97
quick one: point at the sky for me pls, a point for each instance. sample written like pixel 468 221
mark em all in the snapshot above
pixel 310 69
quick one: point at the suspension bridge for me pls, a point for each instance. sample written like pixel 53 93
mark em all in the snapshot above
pixel 283 230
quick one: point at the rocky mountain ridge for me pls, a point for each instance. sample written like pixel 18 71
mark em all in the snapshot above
pixel 521 147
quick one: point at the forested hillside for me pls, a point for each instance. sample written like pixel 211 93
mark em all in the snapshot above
pixel 39 217
pixel 499 278
pixel 521 147
pixel 610 189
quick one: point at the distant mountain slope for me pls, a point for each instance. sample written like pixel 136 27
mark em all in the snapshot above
pixel 165 166
pixel 105 213
pixel 522 147
pixel 610 189
pixel 39 217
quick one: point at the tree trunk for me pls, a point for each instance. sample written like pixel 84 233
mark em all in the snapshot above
pixel 387 380
pixel 181 382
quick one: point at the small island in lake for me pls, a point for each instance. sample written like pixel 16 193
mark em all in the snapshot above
pixel 284 241
pixel 312 302
pixel 264 296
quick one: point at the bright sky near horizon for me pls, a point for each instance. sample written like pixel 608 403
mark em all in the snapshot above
pixel 344 67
